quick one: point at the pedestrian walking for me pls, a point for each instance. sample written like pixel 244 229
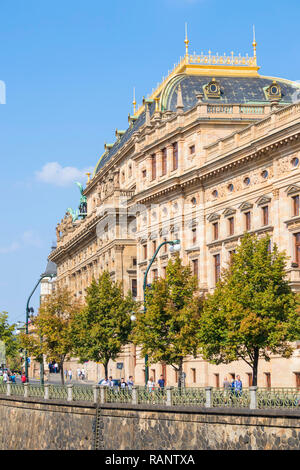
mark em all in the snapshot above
pixel 78 373
pixel 130 382
pixel 238 386
pixel 82 373
pixel 123 384
pixel 151 385
pixel 56 367
pixel 161 382
pixel 66 374
pixel 23 378
pixel 226 384
pixel 70 374
pixel 5 377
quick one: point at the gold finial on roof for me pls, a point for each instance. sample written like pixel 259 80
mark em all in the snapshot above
pixel 254 43
pixel 186 41
pixel 88 175
pixel 134 102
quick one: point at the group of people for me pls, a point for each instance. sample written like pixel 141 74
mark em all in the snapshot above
pixel 151 385
pixel 235 386
pixel 109 382
pixel 80 374
pixel 7 376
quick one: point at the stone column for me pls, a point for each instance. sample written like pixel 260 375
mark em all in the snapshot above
pixel 102 394
pixel 208 397
pixel 134 395
pixel 70 392
pixel 253 398
pixel 8 389
pixel 26 390
pixel 169 396
pixel 46 391
pixel 96 393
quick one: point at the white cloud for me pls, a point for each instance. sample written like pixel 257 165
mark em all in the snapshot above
pixel 31 238
pixel 27 238
pixel 11 248
pixel 54 173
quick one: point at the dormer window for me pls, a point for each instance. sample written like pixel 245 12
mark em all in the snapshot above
pixel 212 89
pixel 273 91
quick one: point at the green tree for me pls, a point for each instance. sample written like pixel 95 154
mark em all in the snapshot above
pixel 51 332
pixel 166 331
pixel 103 326
pixel 7 336
pixel 252 312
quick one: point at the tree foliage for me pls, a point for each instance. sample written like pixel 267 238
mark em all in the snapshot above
pixel 103 326
pixel 51 328
pixel 166 330
pixel 7 336
pixel 252 312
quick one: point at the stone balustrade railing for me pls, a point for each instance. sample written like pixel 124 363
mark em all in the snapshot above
pixel 207 397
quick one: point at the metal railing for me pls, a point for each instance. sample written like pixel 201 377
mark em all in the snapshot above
pixel 208 397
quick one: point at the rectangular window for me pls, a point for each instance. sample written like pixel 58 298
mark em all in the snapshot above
pixel 248 220
pixel 217 260
pixel 216 230
pixel 297 248
pixel 175 156
pixel 193 374
pixel 144 173
pixel 194 236
pixel 217 380
pixel 165 246
pixel 164 162
pixel 265 215
pixel 154 246
pixel 145 254
pixel 297 374
pixel 153 167
pixel 154 274
pixel 153 374
pixel 134 287
pixel 231 253
pixel 134 262
pixel 231 225
pixel 195 268
pixel 164 272
pixel 268 379
pixel 192 149
pixel 295 205
pixel 249 379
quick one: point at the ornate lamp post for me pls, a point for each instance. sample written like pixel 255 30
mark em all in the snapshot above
pixel 50 272
pixel 175 244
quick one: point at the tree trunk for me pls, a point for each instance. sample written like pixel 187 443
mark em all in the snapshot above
pixel 62 373
pixel 180 373
pixel 105 364
pixel 255 367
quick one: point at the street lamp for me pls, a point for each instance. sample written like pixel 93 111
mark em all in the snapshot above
pixel 51 272
pixel 174 246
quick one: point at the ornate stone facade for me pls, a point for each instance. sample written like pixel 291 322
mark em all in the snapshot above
pixel 200 168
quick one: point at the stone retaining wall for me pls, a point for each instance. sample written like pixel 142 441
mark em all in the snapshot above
pixel 42 424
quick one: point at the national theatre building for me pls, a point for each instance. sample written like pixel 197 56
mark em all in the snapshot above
pixel 211 154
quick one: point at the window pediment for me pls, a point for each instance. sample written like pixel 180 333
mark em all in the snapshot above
pixel 229 211
pixel 292 189
pixel 245 206
pixel 213 217
pixel 263 200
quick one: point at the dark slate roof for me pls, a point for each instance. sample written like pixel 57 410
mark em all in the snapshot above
pixel 234 90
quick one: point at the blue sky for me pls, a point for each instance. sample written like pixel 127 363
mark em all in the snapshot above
pixel 69 68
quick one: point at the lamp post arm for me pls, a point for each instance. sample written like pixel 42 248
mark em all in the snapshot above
pixel 26 324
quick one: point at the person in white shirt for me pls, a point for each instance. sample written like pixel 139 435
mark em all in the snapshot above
pixel 5 377
pixel 151 384
pixel 70 374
